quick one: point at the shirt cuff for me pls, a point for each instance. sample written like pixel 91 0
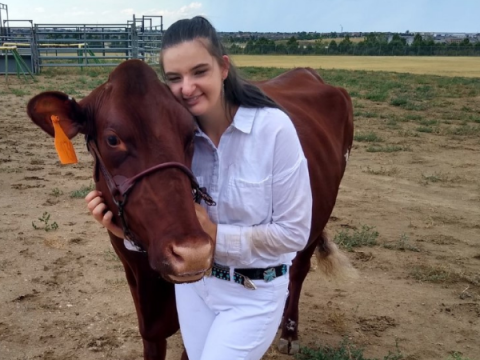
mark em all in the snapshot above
pixel 233 244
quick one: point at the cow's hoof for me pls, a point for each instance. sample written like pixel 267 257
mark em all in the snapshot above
pixel 294 347
pixel 283 346
pixel 288 347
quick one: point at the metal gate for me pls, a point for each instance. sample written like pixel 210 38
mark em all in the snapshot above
pixel 87 45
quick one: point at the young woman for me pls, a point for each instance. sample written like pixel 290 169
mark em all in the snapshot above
pixel 248 156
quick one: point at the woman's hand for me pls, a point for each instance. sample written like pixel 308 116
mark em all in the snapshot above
pixel 209 227
pixel 97 207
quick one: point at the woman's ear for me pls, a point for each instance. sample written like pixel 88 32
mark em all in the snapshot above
pixel 225 66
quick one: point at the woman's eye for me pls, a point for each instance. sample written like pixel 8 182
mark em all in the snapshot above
pixel 173 79
pixel 113 140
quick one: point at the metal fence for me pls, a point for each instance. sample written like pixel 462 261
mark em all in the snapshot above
pixel 83 45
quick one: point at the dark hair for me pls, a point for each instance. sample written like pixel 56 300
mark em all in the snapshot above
pixel 238 91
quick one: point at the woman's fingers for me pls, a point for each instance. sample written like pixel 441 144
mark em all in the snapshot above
pixel 92 194
pixel 114 229
pixel 100 212
pixel 98 208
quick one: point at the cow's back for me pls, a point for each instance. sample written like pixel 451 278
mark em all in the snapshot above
pixel 323 117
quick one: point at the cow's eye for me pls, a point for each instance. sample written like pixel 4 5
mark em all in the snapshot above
pixel 113 140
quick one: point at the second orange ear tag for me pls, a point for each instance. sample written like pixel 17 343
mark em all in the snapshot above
pixel 63 145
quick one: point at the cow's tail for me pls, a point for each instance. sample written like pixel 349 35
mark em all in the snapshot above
pixel 332 262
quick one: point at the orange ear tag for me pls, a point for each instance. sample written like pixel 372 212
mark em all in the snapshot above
pixel 63 145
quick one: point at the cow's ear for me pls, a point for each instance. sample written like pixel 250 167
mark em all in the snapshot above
pixel 46 105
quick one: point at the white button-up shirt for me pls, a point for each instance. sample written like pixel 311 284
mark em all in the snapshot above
pixel 258 177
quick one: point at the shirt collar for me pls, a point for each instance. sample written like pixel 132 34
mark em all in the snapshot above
pixel 243 119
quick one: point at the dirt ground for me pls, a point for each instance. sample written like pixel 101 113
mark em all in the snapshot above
pixel 63 294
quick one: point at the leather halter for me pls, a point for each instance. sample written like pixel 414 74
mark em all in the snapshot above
pixel 120 186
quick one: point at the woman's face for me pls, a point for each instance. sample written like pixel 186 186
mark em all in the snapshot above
pixel 195 77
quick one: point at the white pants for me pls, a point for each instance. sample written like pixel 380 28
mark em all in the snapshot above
pixel 222 320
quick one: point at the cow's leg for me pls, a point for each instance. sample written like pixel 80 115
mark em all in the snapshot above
pixel 156 310
pixel 288 342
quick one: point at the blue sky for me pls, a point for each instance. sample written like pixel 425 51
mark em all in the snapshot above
pixel 264 15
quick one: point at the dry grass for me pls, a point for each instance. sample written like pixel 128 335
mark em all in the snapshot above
pixel 443 66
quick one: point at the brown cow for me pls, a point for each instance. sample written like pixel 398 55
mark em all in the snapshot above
pixel 141 140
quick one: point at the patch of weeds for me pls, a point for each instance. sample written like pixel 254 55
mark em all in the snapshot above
pixel 345 351
pixel 399 101
pixel 435 177
pixel 366 236
pixel 425 129
pixel 426 122
pixel 413 106
pixel 402 244
pixel 93 73
pixel 439 177
pixel 474 118
pixel 47 225
pixel 366 114
pixel 457 356
pixel 424 92
pixel 260 73
pixel 387 148
pixel 382 171
pixel 56 192
pixel 83 191
pixel 392 123
pixel 19 92
pixel 377 96
pixel 464 130
pixel 433 274
pixel 116 282
pixel 357 104
pixel 414 117
pixel 110 255
pixel 368 137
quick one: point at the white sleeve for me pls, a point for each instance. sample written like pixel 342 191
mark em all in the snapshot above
pixel 289 228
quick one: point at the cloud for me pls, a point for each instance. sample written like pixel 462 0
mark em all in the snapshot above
pixel 39 10
pixel 186 11
pixel 127 11
pixel 188 8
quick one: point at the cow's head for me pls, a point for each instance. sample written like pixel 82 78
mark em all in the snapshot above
pixel 136 124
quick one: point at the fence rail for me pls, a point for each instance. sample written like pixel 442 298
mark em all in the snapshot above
pixel 84 45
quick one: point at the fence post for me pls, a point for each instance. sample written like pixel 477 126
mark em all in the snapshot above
pixel 134 39
pixel 35 50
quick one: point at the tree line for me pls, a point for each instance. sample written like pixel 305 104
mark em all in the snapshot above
pixel 373 44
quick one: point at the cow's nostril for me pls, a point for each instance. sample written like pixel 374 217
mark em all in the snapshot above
pixel 177 254
pixel 190 259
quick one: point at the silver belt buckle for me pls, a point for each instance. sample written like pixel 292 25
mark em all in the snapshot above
pixel 249 284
